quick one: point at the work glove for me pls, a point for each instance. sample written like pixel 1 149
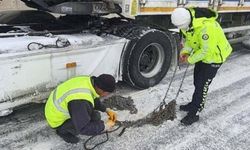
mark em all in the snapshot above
pixel 108 125
pixel 112 115
pixel 184 58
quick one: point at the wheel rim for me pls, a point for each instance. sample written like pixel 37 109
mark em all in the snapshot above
pixel 151 60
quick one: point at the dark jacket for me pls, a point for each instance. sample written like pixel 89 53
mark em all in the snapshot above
pixel 81 113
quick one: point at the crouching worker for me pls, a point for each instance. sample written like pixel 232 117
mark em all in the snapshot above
pixel 71 107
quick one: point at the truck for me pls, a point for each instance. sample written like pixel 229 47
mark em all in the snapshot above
pixel 133 40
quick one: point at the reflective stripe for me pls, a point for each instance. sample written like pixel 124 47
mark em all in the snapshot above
pixel 188 49
pixel 204 94
pixel 57 102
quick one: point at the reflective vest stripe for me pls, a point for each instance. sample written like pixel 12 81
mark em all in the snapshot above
pixel 57 102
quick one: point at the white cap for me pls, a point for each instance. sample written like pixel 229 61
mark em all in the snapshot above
pixel 181 18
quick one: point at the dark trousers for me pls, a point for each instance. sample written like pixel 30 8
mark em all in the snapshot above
pixel 203 76
pixel 68 126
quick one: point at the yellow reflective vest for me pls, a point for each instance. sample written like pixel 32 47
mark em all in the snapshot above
pixel 205 41
pixel 77 88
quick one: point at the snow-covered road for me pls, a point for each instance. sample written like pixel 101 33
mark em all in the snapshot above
pixel 224 124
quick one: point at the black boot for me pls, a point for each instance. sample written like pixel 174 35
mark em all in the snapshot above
pixel 190 119
pixel 186 107
pixel 68 137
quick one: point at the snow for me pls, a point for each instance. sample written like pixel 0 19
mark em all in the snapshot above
pixel 16 62
pixel 21 43
pixel 224 123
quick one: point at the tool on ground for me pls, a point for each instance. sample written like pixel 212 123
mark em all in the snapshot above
pixel 118 123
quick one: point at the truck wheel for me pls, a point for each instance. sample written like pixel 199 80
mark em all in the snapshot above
pixel 246 44
pixel 148 58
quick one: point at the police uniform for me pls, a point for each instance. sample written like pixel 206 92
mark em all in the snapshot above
pixel 207 48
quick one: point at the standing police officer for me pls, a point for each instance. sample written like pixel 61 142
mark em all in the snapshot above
pixel 205 46
pixel 71 107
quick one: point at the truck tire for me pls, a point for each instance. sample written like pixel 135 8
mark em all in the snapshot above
pixel 148 58
pixel 246 44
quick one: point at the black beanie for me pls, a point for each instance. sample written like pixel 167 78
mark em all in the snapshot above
pixel 105 82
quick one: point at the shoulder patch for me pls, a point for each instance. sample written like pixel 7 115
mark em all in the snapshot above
pixel 205 37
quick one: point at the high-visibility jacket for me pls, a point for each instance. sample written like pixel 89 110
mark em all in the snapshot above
pixel 77 88
pixel 205 41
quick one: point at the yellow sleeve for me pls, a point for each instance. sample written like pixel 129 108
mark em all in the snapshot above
pixel 206 41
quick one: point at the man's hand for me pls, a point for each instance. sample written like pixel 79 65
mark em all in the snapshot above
pixel 184 58
pixel 112 115
pixel 108 125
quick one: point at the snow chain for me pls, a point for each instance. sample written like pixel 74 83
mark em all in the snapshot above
pixel 162 104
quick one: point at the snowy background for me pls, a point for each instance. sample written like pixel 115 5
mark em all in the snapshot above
pixel 224 123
